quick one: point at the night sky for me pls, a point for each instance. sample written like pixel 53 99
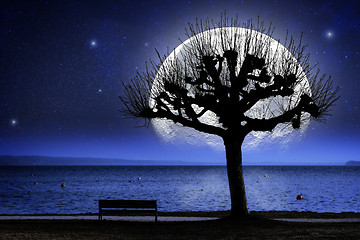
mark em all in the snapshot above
pixel 62 63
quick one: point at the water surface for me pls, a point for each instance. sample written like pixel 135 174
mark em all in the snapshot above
pixel 177 188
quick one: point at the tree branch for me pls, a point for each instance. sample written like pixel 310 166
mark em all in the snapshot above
pixel 218 72
pixel 293 116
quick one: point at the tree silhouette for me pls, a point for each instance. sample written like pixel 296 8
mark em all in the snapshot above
pixel 238 76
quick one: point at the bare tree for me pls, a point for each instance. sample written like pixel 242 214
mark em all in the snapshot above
pixel 234 73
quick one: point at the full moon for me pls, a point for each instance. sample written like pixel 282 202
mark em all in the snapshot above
pixel 168 131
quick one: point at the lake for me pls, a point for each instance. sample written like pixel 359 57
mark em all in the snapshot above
pixel 37 189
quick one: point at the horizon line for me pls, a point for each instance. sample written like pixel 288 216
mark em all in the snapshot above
pixel 159 162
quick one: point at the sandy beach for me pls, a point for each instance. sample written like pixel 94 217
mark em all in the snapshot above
pixel 188 225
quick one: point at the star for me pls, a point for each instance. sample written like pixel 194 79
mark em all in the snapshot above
pixel 93 44
pixel 13 122
pixel 329 34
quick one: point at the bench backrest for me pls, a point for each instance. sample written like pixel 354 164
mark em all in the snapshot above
pixel 127 204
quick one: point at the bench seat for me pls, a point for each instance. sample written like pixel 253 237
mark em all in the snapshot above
pixel 127 206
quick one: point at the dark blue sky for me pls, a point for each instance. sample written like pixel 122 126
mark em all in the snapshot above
pixel 62 63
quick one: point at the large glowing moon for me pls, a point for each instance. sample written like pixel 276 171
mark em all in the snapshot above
pixel 168 131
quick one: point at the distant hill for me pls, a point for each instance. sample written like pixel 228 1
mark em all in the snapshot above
pixel 7 160
pixel 352 163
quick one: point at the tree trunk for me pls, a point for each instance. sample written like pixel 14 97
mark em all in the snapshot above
pixel 235 176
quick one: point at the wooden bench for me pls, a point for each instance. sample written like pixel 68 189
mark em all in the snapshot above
pixel 112 206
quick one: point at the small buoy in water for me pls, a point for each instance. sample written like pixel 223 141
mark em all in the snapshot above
pixel 139 178
pixel 299 197
pixel 35 183
pixel 131 181
pixel 62 185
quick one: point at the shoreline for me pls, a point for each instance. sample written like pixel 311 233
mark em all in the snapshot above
pixel 221 214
